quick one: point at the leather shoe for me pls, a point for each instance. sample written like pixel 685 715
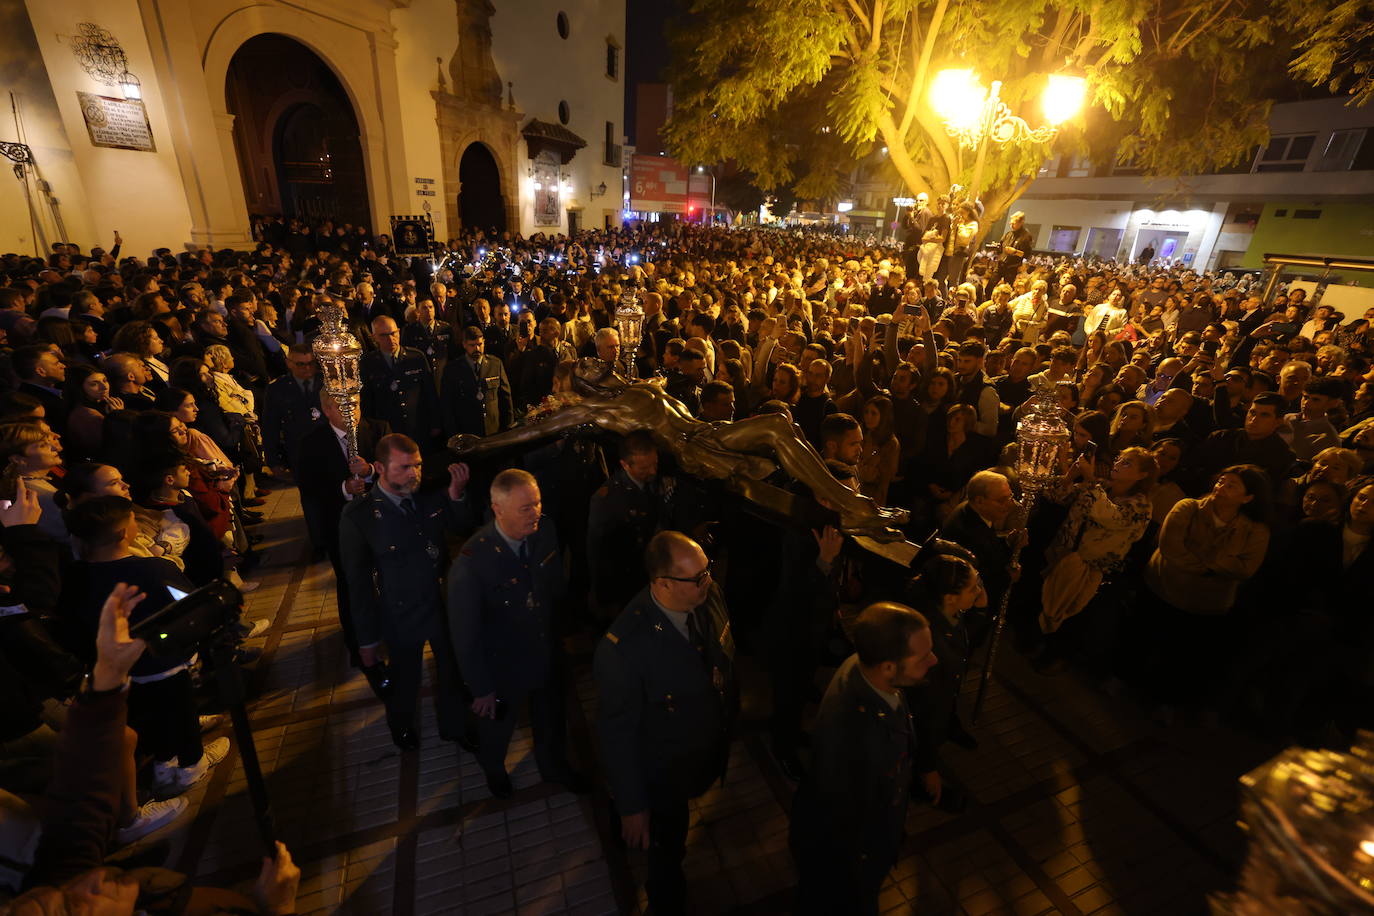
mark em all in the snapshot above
pixel 254 501
pixel 499 784
pixel 406 739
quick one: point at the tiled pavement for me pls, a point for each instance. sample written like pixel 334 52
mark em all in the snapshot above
pixel 1082 806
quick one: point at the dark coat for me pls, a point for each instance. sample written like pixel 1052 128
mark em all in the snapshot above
pixel 475 400
pixel 54 411
pixel 401 394
pixel 287 415
pixel 395 564
pixel 322 497
pixel 664 718
pixel 621 519
pixel 501 610
pixel 434 342
pixel 850 809
pixel 967 529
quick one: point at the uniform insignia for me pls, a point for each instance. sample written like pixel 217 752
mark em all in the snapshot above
pixel 615 640
pixel 659 627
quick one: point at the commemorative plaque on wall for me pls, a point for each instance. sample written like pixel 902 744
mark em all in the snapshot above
pixel 116 123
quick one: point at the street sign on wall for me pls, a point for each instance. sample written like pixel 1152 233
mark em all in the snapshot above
pixel 657 184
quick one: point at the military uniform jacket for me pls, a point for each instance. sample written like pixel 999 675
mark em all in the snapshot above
pixel 621 519
pixel 475 401
pixel 851 807
pixel 501 610
pixel 402 393
pixel 665 717
pixel 432 342
pixel 395 563
pixel 288 413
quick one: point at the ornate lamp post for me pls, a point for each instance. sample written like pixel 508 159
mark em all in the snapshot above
pixel 976 116
pixel 629 321
pixel 1041 435
pixel 339 354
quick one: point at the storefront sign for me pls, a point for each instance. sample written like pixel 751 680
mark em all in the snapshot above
pixel 658 184
pixel 116 123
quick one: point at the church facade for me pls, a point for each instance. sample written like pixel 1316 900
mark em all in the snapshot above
pixel 172 121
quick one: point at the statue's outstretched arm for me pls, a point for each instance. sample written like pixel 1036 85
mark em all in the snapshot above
pixel 466 445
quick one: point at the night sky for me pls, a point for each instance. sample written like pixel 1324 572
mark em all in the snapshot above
pixel 647 53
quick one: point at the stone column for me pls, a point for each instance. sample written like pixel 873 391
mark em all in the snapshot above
pixel 204 149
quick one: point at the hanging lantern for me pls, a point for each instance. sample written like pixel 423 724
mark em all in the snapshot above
pixel 339 355
pixel 1041 435
pixel 629 321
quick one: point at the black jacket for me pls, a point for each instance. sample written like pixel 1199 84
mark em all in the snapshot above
pixel 326 469
pixel 396 564
pixel 287 414
pixel 501 611
pixel 475 401
pixel 665 718
pixel 850 809
pixel 401 394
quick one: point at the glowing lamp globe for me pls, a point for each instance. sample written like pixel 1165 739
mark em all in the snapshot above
pixel 958 97
pixel 1063 98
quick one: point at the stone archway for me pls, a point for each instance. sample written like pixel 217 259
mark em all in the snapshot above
pixel 480 202
pixel 296 133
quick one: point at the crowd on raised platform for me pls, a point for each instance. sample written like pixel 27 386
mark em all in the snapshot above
pixel 1205 545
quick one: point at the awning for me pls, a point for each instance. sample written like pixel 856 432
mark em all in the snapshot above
pixel 541 135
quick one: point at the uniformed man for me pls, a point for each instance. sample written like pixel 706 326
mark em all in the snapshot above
pixel 397 385
pixel 474 394
pixel 428 335
pixel 668 698
pixel 392 541
pixel 849 812
pixel 623 515
pixel 290 409
pixel 331 482
pixel 504 589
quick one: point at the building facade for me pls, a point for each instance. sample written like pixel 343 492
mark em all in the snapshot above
pixel 1310 190
pixel 355 110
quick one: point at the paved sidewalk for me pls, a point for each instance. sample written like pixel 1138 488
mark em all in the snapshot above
pixel 1082 807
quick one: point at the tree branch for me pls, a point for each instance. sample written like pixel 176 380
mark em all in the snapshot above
pixel 918 79
pixel 1178 43
pixel 876 32
pixel 851 37
pixel 859 15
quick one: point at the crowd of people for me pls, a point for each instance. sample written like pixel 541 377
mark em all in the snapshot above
pixel 1203 544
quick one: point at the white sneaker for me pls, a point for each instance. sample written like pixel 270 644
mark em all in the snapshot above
pixel 215 751
pixel 171 779
pixel 256 628
pixel 151 817
pixel 210 723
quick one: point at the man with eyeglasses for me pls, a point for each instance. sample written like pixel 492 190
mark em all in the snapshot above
pixel 666 675
pixel 290 409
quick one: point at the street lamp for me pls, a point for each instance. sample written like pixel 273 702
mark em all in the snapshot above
pixel 976 116
pixel 701 170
